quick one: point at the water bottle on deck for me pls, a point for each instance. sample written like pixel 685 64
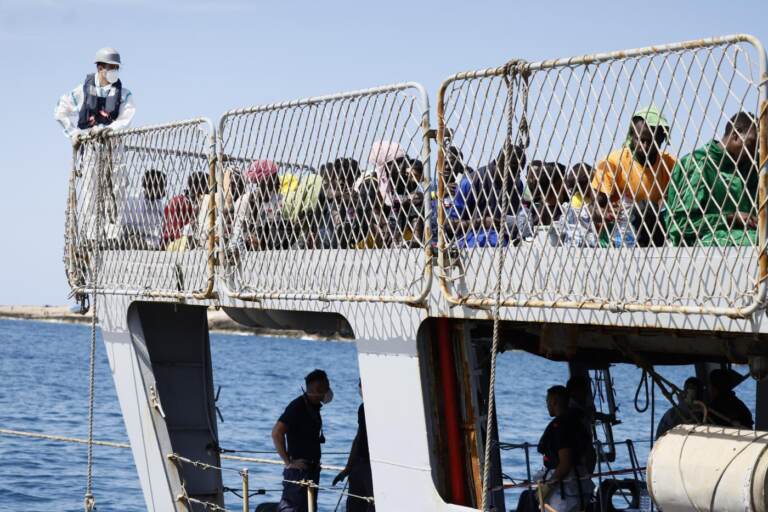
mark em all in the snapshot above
pixel 623 235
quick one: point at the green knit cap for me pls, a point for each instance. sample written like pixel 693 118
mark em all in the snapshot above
pixel 652 118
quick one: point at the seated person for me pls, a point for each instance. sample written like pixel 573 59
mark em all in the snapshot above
pixel 725 407
pixel 564 483
pixel 382 153
pixel 182 210
pixel 371 229
pixel 454 171
pixel 267 228
pixel 545 184
pixel 407 176
pixel 233 188
pixel 337 202
pixel 302 208
pixel 712 198
pixel 686 411
pixel 476 213
pixel 141 216
pixel 634 180
pixel 580 223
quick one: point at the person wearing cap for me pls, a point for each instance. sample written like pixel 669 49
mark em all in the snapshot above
pixel 634 180
pixel 101 100
pixel 712 198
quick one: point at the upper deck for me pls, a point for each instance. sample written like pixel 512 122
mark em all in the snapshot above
pixel 321 204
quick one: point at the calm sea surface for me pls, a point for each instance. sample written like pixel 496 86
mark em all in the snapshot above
pixel 44 366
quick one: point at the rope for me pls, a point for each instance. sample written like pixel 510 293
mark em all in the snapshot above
pixel 512 69
pixel 89 501
pixel 206 504
pixel 313 485
pixel 52 437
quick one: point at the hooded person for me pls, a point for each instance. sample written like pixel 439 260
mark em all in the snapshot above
pixel 633 180
pixel 382 153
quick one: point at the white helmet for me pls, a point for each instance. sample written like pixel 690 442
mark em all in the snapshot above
pixel 107 56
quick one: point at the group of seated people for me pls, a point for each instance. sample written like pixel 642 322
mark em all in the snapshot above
pixel 639 195
pixel 270 206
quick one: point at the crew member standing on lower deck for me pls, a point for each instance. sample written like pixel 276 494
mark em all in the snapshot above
pixel 302 427
pixel 358 467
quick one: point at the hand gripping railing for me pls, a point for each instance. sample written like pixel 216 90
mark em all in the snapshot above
pixel 327 198
pixel 589 225
pixel 141 212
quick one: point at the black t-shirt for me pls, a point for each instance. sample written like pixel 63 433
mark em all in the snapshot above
pixel 731 407
pixel 305 429
pixel 562 432
pixel 362 435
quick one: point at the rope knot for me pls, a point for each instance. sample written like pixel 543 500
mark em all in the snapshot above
pixel 89 503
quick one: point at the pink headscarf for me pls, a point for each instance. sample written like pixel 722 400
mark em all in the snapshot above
pixel 260 170
pixel 383 152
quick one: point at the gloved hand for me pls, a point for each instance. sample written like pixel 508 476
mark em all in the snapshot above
pixel 99 130
pixel 75 138
pixel 341 476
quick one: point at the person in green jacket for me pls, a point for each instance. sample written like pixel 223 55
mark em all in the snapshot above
pixel 712 195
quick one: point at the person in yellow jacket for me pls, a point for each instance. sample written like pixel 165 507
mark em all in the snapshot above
pixel 634 181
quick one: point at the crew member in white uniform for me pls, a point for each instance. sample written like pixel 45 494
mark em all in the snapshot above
pixel 99 102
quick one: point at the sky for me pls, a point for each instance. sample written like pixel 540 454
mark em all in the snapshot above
pixel 190 58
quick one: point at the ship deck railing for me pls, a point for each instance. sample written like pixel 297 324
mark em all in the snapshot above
pixel 334 198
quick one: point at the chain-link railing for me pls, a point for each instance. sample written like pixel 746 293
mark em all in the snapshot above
pixel 327 198
pixel 141 211
pixel 632 181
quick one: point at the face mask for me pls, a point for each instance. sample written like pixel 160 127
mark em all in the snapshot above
pixel 327 397
pixel 112 75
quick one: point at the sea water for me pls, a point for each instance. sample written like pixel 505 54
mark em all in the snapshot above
pixel 44 372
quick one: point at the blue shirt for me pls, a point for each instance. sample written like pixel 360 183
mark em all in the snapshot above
pixel 477 196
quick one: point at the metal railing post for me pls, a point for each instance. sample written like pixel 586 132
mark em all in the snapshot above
pixel 246 500
pixel 311 497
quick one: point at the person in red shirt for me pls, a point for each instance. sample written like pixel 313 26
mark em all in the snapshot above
pixel 182 209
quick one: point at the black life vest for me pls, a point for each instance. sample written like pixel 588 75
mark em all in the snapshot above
pixel 99 111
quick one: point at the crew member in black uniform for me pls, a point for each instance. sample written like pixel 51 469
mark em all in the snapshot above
pixel 731 411
pixel 302 426
pixel 564 484
pixel 358 467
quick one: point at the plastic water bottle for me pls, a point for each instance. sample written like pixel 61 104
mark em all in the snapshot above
pixel 623 236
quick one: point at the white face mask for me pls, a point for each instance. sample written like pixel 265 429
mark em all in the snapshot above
pixel 327 397
pixel 112 75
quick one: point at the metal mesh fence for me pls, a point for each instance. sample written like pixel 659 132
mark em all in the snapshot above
pixel 632 180
pixel 140 217
pixel 327 197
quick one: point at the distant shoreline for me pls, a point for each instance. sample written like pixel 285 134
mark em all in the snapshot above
pixel 218 321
